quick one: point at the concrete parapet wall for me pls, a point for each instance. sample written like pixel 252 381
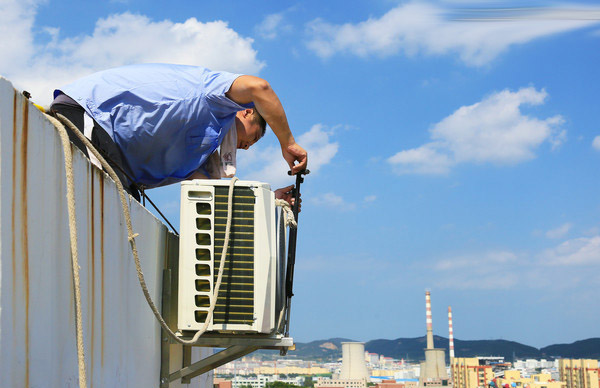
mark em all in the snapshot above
pixel 37 324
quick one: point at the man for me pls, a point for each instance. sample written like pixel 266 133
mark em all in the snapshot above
pixel 159 123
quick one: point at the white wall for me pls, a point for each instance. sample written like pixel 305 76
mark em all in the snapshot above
pixel 37 327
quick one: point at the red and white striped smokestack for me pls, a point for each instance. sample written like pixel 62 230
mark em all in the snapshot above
pixel 429 322
pixel 451 334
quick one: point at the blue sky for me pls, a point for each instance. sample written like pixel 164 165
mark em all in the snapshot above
pixel 458 156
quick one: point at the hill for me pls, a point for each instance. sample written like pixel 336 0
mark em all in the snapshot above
pixel 411 349
pixel 589 348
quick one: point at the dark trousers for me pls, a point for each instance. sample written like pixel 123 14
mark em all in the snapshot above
pixel 100 140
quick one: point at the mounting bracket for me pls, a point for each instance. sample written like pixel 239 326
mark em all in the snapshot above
pixel 236 346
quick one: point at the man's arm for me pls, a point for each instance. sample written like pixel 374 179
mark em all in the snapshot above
pixel 246 89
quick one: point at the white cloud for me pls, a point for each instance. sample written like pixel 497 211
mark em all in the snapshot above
pixel 596 143
pixel 488 261
pixel 487 270
pixel 594 230
pixel 370 198
pixel 16 40
pixel 268 164
pixel 268 28
pixel 577 251
pixel 559 232
pixel 423 160
pixel 272 25
pixel 488 281
pixel 420 27
pixel 504 269
pixel 493 130
pixel 118 39
pixel 334 201
pixel 318 145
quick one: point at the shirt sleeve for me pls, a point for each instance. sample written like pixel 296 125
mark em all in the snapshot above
pixel 216 85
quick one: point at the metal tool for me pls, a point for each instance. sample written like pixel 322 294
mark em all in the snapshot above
pixel 291 258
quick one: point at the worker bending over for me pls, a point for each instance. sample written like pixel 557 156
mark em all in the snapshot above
pixel 159 124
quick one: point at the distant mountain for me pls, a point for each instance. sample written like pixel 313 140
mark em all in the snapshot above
pixel 503 348
pixel 322 350
pixel 411 349
pixel 589 348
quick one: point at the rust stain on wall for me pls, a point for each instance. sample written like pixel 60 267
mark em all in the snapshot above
pixel 13 215
pixel 92 279
pixel 101 191
pixel 25 231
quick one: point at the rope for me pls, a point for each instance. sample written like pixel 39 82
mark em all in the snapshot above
pixel 290 220
pixel 64 137
pixel 131 236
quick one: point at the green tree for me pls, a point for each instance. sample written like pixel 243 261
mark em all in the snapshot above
pixel 280 384
pixel 308 382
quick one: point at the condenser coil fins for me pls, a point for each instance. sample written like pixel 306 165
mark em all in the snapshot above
pixel 236 295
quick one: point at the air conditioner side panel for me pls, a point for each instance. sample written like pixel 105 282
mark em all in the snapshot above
pixel 265 255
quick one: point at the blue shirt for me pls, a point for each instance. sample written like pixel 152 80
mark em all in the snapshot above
pixel 166 119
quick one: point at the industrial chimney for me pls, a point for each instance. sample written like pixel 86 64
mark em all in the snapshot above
pixel 451 333
pixel 433 369
pixel 429 322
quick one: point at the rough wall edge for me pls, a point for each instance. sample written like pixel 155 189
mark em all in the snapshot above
pixel 4 82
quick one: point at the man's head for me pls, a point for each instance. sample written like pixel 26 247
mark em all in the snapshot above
pixel 250 127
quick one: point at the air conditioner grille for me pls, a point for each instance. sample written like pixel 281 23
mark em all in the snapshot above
pixel 235 303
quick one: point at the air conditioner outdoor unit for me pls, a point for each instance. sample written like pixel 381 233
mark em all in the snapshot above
pixel 252 294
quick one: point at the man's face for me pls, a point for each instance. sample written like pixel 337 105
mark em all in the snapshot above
pixel 248 132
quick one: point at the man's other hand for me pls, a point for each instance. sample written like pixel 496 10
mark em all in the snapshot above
pixel 293 153
pixel 285 193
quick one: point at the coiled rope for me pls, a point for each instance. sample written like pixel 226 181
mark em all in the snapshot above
pixel 290 220
pixel 131 237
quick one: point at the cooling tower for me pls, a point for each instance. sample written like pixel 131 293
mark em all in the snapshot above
pixel 433 369
pixel 353 361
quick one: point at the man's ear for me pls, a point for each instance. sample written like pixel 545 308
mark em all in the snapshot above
pixel 247 112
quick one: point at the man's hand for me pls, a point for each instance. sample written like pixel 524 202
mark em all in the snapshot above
pixel 293 153
pixel 246 89
pixel 285 193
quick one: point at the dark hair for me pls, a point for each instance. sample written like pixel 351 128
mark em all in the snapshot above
pixel 258 119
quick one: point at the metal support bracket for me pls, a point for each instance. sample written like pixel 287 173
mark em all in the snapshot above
pixel 212 362
pixel 165 344
pixel 187 361
pixel 236 346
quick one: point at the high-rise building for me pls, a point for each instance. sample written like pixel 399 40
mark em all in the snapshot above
pixel 470 373
pixel 513 378
pixel 580 373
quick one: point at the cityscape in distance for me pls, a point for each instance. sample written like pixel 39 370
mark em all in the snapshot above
pixel 411 349
pixel 422 362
